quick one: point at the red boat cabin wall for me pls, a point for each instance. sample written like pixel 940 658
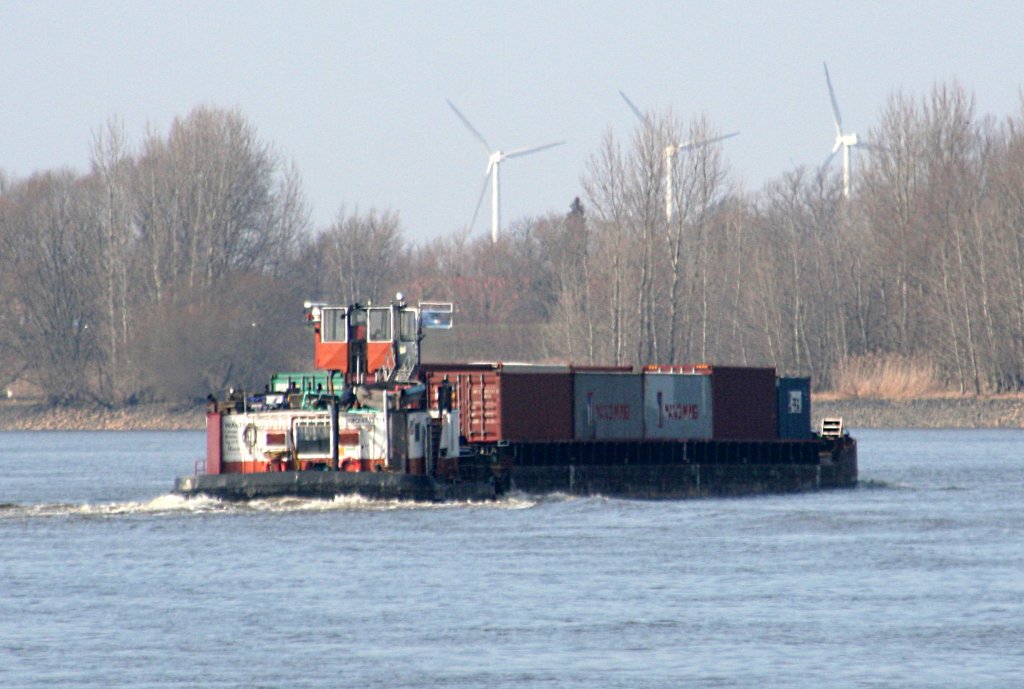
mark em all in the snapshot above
pixel 213 443
pixel 332 356
pixel 330 340
pixel 379 355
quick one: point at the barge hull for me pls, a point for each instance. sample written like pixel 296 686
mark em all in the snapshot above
pixel 328 484
pixel 651 470
pixel 672 470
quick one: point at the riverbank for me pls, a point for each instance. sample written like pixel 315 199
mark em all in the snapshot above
pixel 32 416
pixel 929 412
pixel 938 412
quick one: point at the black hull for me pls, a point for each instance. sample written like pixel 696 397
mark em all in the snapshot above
pixel 647 470
pixel 328 484
pixel 675 470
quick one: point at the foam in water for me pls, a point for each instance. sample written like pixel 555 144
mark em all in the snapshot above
pixel 171 504
pixel 361 503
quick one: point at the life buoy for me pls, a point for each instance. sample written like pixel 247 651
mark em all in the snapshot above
pixel 249 436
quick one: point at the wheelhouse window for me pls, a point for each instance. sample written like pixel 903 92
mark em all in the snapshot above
pixel 334 325
pixel 379 326
pixel 407 319
pixel 436 315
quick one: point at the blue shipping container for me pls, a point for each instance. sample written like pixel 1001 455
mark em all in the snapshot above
pixel 794 408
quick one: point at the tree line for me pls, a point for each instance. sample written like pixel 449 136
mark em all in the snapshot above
pixel 177 267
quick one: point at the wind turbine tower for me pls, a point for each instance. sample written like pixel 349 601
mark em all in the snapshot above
pixel 670 153
pixel 844 141
pixel 494 159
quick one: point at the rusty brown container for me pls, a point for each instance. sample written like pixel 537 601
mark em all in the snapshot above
pixel 743 403
pixel 513 402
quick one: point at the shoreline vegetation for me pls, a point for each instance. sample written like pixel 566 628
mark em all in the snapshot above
pixel 940 411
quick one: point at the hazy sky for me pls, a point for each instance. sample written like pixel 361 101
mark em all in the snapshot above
pixel 354 92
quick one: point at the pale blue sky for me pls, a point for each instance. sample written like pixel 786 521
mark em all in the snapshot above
pixel 354 92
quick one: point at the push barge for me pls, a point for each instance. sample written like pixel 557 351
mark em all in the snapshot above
pixel 371 419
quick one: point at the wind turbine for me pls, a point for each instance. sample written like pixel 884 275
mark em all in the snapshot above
pixel 494 159
pixel 846 141
pixel 671 151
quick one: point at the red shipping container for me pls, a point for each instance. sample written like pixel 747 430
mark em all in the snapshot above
pixel 512 402
pixel 743 403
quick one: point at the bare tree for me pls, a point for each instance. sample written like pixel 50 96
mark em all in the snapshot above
pixel 47 241
pixel 607 194
pixel 362 256
pixel 111 175
pixel 213 200
pixel 697 189
pixel 567 243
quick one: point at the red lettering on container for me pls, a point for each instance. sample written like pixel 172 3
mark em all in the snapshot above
pixel 612 412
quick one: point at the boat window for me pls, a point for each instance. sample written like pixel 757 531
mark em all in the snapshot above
pixel 436 315
pixel 380 325
pixel 334 325
pixel 407 327
pixel 313 438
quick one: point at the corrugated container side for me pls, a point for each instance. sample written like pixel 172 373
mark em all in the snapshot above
pixel 476 394
pixel 497 403
pixel 794 408
pixel 536 406
pixel 677 406
pixel 743 403
pixel 608 406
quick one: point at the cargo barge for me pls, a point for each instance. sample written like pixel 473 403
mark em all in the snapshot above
pixel 371 419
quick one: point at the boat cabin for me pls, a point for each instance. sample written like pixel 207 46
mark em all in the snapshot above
pixel 369 344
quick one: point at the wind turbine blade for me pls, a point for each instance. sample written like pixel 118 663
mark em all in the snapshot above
pixel 835 106
pixel 526 151
pixel 480 201
pixel 828 161
pixel 636 110
pixel 470 127
pixel 705 142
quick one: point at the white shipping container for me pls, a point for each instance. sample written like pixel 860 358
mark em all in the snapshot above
pixel 677 406
pixel 608 406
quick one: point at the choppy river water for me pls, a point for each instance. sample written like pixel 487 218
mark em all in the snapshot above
pixel 914 579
